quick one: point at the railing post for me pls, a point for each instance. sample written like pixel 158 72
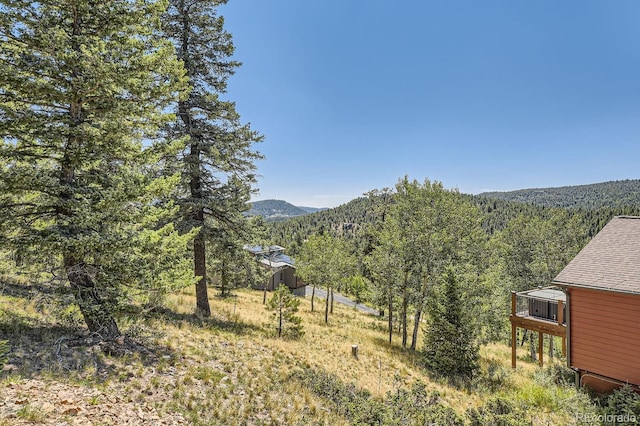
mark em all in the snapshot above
pixel 513 303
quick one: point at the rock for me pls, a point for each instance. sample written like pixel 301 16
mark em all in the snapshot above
pixel 73 411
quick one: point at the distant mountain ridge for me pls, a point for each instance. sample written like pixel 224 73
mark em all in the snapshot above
pixel 597 195
pixel 313 209
pixel 277 210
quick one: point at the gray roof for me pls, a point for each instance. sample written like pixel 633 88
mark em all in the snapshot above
pixel 263 250
pixel 545 294
pixel 610 261
pixel 271 256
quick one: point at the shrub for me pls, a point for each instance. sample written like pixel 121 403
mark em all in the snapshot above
pixel 498 411
pixel 494 377
pixel 622 407
pixel 415 406
pixel 4 352
pixel 349 401
pixel 560 374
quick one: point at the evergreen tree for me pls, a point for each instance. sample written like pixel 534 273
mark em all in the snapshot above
pixel 450 347
pixel 285 306
pixel 82 84
pixel 216 158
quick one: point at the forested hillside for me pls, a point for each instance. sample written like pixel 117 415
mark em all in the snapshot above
pixel 275 210
pixel 599 203
pixel 613 194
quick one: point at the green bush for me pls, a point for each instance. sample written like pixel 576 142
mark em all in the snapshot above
pixel 415 406
pixel 494 377
pixel 622 407
pixel 560 374
pixel 349 401
pixel 4 352
pixel 498 411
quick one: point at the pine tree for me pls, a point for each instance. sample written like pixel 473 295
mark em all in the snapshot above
pixel 82 85
pixel 285 306
pixel 450 347
pixel 216 160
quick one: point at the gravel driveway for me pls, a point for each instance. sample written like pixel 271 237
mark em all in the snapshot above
pixel 338 298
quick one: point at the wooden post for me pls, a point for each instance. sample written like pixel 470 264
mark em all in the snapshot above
pixel 514 339
pixel 560 322
pixel 540 347
pixel 514 331
pixel 354 351
pixel 560 312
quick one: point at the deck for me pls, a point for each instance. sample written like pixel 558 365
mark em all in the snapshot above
pixel 541 311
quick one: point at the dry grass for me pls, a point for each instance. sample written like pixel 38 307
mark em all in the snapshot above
pixel 224 370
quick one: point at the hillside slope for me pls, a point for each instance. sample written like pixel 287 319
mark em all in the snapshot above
pixel 229 369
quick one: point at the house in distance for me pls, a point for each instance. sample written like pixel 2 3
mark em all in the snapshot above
pixel 282 267
pixel 595 304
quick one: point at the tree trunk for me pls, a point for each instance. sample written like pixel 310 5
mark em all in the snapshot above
pixel 326 308
pixel 390 301
pixel 551 348
pixel 223 280
pixel 405 308
pixel 280 317
pixel 95 311
pixel 331 299
pixel 419 308
pixel 264 291
pixel 532 348
pixel 200 270
pixel 313 296
pixel 195 187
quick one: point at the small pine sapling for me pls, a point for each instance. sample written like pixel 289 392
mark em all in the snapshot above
pixel 284 306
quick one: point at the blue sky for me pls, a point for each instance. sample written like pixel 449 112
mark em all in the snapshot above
pixel 480 95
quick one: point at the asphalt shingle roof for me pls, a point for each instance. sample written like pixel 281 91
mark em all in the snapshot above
pixel 610 261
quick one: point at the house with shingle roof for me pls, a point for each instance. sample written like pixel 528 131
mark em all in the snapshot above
pixel 602 288
pixel 283 270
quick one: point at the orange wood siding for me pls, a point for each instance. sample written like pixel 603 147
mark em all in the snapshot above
pixel 605 333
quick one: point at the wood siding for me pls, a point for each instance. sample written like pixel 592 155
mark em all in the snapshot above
pixel 605 333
